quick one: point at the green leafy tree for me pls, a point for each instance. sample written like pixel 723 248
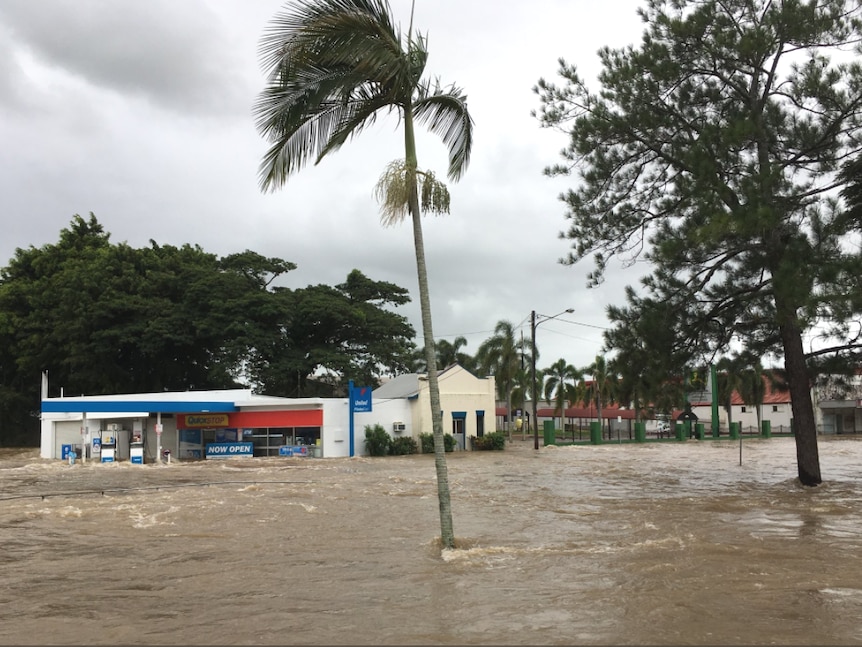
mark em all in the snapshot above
pixel 334 66
pixel 333 334
pixel 712 149
pixel 105 318
pixel 649 352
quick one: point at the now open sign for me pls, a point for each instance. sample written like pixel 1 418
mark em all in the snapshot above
pixel 230 450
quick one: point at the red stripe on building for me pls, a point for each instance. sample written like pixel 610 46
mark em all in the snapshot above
pixel 251 419
pixel 302 418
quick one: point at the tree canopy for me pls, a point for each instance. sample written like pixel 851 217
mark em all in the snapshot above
pixel 108 318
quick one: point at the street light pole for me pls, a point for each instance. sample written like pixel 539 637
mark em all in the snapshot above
pixel 533 377
pixel 533 325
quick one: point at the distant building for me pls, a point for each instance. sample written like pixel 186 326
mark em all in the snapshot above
pixel 467 403
pixel 239 423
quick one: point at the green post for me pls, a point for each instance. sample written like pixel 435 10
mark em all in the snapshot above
pixel 680 431
pixel 734 430
pixel 713 375
pixel 640 432
pixel 550 433
pixel 766 429
pixel 699 430
pixel 596 432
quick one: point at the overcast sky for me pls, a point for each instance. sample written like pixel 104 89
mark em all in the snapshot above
pixel 140 112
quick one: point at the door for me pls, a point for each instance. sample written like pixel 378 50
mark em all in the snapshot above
pixel 458 427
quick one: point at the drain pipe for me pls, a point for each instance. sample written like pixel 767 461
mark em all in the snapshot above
pixel 158 437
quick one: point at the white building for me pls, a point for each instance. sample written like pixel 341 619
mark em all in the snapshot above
pixel 467 403
pixel 239 423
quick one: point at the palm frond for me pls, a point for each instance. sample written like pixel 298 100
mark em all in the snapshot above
pixel 333 64
pixel 445 113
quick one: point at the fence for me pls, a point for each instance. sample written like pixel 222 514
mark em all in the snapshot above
pixel 612 430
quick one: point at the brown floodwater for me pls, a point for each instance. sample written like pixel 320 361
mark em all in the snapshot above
pixel 657 543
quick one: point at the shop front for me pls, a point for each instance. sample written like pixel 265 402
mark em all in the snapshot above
pixel 249 433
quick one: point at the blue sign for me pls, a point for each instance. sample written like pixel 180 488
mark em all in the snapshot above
pixel 293 450
pixel 230 450
pixel 360 399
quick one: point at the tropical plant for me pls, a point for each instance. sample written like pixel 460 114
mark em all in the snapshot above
pixel 449 353
pixel 403 446
pixel 561 386
pixel 426 442
pixel 499 355
pixel 334 66
pixel 523 391
pixel 729 374
pixel 377 440
pixel 601 389
pixel 494 441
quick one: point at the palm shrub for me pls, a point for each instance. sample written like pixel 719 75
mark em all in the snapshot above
pixel 377 440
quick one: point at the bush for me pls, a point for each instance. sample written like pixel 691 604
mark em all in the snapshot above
pixel 377 440
pixel 427 443
pixel 489 442
pixel 403 445
pixel 449 442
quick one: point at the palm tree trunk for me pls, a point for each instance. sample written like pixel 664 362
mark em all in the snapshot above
pixel 447 533
pixel 509 415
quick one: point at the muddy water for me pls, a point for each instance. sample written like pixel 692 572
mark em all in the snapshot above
pixel 671 543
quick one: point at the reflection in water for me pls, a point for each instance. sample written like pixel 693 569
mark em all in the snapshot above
pixel 613 544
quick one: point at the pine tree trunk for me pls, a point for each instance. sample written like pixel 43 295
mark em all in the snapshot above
pixel 804 426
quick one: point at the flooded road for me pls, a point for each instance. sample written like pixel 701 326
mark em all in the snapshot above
pixel 657 543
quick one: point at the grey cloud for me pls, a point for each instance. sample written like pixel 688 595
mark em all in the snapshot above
pixel 174 54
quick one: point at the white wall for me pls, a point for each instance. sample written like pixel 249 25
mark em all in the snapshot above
pixel 336 424
pixel 460 390
pixel 59 429
pixel 748 418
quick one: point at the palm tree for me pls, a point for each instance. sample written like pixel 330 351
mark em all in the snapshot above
pixel 561 386
pixel 752 388
pixel 333 67
pixel 523 389
pixel 449 353
pixel 729 380
pixel 500 355
pixel 603 386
